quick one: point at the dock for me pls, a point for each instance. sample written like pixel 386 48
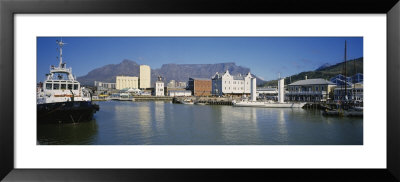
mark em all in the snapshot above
pixel 136 98
pixel 317 105
pixel 152 98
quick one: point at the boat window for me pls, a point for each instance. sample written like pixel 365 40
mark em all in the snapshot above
pixel 69 86
pixel 56 86
pixel 63 86
pixel 48 86
pixel 75 86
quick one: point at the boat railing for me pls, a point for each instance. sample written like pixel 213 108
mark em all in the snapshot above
pixel 52 68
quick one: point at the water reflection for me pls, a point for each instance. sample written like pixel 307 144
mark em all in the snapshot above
pixel 283 137
pixel 67 133
pixel 239 125
pixel 164 123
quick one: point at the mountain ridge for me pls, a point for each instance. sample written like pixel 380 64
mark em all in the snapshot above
pixel 324 73
pixel 170 71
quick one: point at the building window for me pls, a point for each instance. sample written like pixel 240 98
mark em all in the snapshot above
pixel 316 88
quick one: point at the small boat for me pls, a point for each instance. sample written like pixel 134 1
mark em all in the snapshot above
pixel 341 113
pixel 61 98
pixel 187 101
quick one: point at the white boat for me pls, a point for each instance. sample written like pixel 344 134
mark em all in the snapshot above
pixel 271 104
pixel 268 104
pixel 61 97
pixel 187 101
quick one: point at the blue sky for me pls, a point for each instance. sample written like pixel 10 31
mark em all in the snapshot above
pixel 265 56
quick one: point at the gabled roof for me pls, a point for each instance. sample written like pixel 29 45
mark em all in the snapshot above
pixel 317 81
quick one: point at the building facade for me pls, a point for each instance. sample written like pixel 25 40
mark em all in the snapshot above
pixel 227 84
pixel 182 84
pixel 354 93
pixel 269 93
pixel 310 90
pixel 104 86
pixel 200 86
pixel 179 93
pixel 159 87
pixel 145 77
pixel 123 82
pixel 171 84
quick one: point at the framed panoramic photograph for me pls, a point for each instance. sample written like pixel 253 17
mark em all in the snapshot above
pixel 106 91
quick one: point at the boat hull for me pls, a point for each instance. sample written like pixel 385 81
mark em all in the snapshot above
pixel 269 105
pixel 66 112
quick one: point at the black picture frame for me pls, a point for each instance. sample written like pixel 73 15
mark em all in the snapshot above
pixel 8 8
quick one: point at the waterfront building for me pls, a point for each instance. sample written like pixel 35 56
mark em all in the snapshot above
pixel 123 82
pixel 270 93
pixel 101 86
pixel 145 76
pixel 159 87
pixel 182 84
pixel 179 93
pixel 310 90
pixel 354 93
pixel 227 84
pixel 171 84
pixel 200 86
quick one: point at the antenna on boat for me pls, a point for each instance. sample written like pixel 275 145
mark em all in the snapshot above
pixel 60 45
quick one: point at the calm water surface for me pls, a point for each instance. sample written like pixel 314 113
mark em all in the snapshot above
pixel 165 123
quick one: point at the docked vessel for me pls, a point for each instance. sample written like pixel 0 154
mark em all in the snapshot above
pixel 61 99
pixel 280 104
pixel 268 104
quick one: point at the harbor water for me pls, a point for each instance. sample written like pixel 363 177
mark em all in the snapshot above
pixel 165 123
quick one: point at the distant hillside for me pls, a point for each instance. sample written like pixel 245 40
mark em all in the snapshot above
pixel 108 73
pixel 326 72
pixel 177 72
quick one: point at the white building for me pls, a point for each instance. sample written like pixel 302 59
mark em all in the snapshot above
pixel 104 86
pixel 126 82
pixel 159 87
pixel 354 93
pixel 171 84
pixel 179 93
pixel 227 84
pixel 145 76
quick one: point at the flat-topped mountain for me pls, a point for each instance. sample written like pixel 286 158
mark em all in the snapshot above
pixel 177 72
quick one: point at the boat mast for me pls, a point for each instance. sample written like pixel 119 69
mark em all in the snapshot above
pixel 345 70
pixel 60 44
pixel 354 82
